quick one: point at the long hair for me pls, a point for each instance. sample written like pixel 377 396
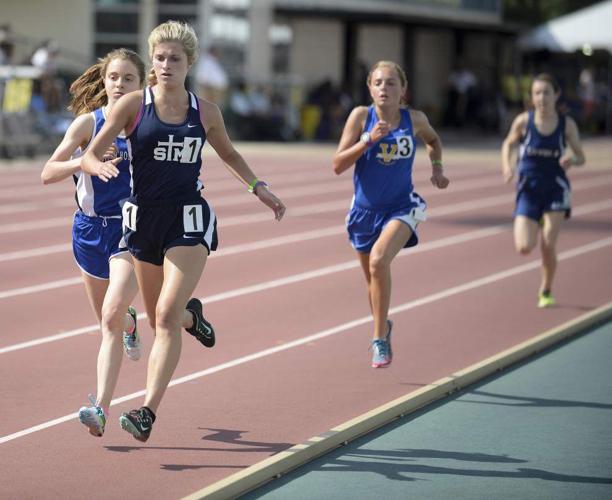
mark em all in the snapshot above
pixel 173 31
pixel 87 91
pixel 400 73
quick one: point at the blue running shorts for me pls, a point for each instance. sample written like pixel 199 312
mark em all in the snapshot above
pixel 365 226
pixel 94 241
pixel 537 195
pixel 151 228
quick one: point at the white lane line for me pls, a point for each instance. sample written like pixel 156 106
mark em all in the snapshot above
pixel 43 251
pixel 267 285
pixel 300 211
pixel 449 292
pixel 316 273
pixel 268 243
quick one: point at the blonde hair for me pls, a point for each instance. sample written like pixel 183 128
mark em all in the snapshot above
pixel 173 31
pixel 87 91
pixel 390 64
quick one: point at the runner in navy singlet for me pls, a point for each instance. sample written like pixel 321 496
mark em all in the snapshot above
pixel 105 264
pixel 385 212
pixel 169 228
pixel 543 189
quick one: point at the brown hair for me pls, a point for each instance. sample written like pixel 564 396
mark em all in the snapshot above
pixel 548 78
pixel 87 90
pixel 173 31
pixel 397 68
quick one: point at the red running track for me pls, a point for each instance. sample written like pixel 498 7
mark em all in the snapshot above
pixel 289 305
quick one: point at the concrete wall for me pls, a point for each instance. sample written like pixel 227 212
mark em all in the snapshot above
pixel 70 22
pixel 376 42
pixel 316 50
pixel 432 63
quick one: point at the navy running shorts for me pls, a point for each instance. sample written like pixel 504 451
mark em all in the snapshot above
pixel 537 195
pixel 95 240
pixel 150 228
pixel 364 226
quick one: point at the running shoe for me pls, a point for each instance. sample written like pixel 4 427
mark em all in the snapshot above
pixel 545 299
pixel 93 418
pixel 201 329
pixel 138 423
pixel 388 339
pixel 131 341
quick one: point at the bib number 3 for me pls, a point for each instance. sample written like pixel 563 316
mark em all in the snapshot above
pixel 192 219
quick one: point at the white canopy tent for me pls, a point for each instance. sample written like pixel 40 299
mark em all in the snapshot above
pixel 589 27
pixel 586 29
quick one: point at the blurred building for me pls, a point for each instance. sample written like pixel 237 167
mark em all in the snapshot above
pixel 293 46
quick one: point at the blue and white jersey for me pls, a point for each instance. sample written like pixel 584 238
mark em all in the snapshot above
pixel 166 158
pixel 383 174
pixel 98 198
pixel 539 154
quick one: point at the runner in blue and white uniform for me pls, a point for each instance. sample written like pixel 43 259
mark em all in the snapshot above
pixel 543 198
pixel 385 212
pixel 105 264
pixel 169 228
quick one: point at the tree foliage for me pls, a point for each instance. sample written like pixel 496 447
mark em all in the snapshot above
pixel 532 12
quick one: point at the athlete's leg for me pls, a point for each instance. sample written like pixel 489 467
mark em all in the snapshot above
pixel 96 290
pixel 392 239
pixel 525 234
pixel 364 260
pixel 182 269
pixel 548 245
pixel 121 291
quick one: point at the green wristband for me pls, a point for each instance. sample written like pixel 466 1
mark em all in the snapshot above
pixel 252 185
pixel 436 163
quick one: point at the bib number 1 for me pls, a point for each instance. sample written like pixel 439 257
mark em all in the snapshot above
pixel 193 222
pixel 129 212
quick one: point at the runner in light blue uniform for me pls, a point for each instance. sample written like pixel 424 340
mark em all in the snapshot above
pixel 97 230
pixel 383 186
pixel 106 267
pixel 385 212
pixel 543 189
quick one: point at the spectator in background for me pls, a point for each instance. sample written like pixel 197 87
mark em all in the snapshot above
pixel 588 96
pixel 45 58
pixel 7 46
pixel 461 83
pixel 211 77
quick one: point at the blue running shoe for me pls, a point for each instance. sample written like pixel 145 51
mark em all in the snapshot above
pixel 93 418
pixel 131 341
pixel 382 353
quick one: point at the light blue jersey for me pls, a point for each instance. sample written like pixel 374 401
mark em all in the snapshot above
pixel 383 175
pixel 98 198
pixel 383 186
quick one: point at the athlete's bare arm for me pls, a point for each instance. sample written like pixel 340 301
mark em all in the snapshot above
pixel 424 131
pixel 350 148
pixel 60 166
pixel 122 116
pixel 517 129
pixel 216 134
pixel 575 157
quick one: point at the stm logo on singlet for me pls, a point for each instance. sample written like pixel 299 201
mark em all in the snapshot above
pixel 389 153
pixel 186 151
